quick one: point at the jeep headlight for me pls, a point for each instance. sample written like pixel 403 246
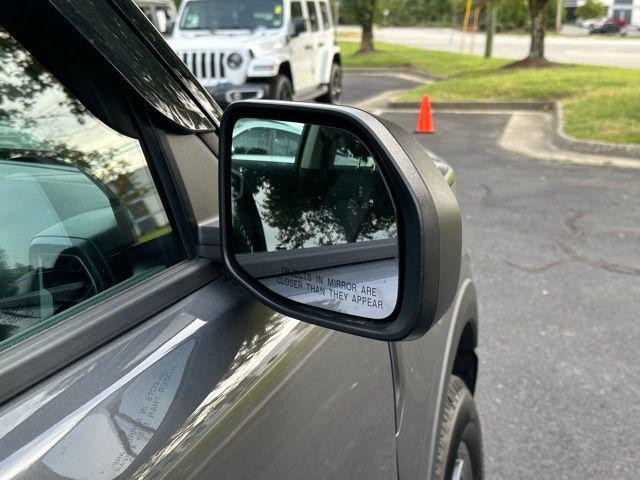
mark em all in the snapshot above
pixel 234 61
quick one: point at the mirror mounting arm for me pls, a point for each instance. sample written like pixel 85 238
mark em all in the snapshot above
pixel 209 240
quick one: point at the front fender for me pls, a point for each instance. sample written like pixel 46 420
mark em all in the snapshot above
pixel 266 66
pixel 424 367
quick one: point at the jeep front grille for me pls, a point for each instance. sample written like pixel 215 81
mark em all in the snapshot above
pixel 204 65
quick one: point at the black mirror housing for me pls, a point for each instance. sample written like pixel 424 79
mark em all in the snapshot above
pixel 299 26
pixel 429 228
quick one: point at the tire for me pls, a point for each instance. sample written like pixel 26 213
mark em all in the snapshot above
pixel 281 88
pixel 334 95
pixel 459 453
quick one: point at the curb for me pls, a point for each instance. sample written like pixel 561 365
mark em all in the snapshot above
pixel 559 138
pixel 563 140
pixel 393 71
pixel 530 105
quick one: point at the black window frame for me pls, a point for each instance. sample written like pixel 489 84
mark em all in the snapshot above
pixel 302 9
pixel 313 3
pixel 327 16
pixel 38 356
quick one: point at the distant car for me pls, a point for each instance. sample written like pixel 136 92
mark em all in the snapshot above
pixel 612 26
pixel 590 22
pixel 248 49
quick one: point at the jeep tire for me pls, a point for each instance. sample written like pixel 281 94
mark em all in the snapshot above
pixel 459 451
pixel 334 94
pixel 281 88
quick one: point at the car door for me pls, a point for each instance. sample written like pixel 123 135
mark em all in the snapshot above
pixel 301 46
pixel 125 351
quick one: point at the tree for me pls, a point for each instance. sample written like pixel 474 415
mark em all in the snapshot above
pixel 538 18
pixel 538 13
pixel 591 9
pixel 364 13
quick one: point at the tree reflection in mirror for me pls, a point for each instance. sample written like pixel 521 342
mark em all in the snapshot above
pixel 313 219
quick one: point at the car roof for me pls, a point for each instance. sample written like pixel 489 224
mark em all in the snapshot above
pixel 248 123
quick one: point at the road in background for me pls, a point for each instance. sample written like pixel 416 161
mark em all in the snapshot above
pixel 590 50
pixel 557 268
pixel 360 88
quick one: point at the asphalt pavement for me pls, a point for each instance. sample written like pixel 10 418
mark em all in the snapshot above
pixel 591 50
pixel 557 269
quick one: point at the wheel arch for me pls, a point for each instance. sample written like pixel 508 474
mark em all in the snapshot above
pixel 462 358
pixel 462 340
pixel 285 69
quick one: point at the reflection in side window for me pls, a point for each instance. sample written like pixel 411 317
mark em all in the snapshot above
pixel 79 212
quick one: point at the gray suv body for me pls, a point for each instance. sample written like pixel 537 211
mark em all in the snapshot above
pixel 139 355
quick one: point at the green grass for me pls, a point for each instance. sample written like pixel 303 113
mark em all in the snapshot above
pixel 155 233
pixel 601 103
pixel 606 114
pixel 440 63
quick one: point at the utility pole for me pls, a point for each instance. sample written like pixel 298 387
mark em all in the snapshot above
pixel 559 8
pixel 465 23
pixel 492 20
pixel 474 29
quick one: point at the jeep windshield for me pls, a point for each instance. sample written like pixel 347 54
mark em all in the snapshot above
pixel 215 15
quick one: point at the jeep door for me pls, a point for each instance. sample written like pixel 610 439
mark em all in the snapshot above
pixel 301 46
pixel 126 351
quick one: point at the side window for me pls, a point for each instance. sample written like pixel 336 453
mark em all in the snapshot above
pixel 326 16
pixel 266 141
pixel 296 13
pixel 285 144
pixel 313 16
pixel 253 141
pixel 80 216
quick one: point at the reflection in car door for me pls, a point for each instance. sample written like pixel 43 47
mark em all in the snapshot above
pixel 324 409
pixel 217 386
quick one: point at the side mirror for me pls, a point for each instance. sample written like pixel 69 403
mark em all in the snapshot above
pixel 299 26
pixel 169 30
pixel 336 217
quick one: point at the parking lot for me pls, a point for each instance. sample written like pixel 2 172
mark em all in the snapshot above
pixel 557 269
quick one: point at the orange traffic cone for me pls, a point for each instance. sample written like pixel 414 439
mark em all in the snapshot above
pixel 425 120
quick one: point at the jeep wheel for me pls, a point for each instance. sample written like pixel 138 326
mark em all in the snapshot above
pixel 334 95
pixel 281 88
pixel 459 454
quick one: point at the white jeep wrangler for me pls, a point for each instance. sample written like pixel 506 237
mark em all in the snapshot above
pixel 279 49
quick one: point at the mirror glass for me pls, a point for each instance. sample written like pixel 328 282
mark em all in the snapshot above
pixel 312 216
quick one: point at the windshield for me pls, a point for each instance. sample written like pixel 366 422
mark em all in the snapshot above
pixel 238 14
